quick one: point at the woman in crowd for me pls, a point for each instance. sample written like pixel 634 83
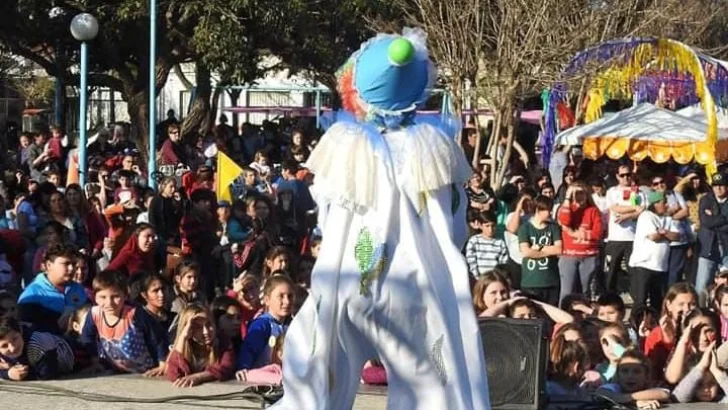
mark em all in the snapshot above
pixel 93 221
pixel 59 211
pixel 165 214
pixel 199 237
pixel 138 254
pixel 581 227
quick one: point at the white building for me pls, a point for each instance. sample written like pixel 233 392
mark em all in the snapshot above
pixel 277 89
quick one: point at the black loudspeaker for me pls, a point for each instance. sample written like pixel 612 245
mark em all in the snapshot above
pixel 516 356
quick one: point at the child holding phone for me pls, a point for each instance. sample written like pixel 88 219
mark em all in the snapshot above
pixel 700 333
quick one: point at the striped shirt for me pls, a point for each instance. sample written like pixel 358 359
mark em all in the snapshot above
pixel 483 254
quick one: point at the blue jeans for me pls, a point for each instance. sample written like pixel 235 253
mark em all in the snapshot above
pixel 705 274
pixel 676 264
pixel 572 269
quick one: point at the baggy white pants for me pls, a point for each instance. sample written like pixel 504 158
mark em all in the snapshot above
pixel 414 311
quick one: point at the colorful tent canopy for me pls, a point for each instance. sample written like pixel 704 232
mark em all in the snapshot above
pixel 646 131
pixel 641 69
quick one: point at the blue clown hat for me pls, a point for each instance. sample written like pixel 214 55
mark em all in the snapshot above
pixel 390 85
pixel 389 77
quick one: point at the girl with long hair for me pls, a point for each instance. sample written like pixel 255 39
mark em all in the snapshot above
pixel 198 354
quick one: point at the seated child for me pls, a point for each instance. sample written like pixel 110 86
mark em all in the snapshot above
pixel 271 374
pixel 570 332
pixel 706 382
pixel 720 305
pixel 278 298
pixel 186 283
pixel 199 355
pixel 119 334
pixel 577 305
pixel 125 192
pixel 52 233
pixel 32 355
pixel 642 319
pixel 81 274
pixel 701 329
pixel 226 313
pixel 567 370
pixel 45 300
pixel 611 309
pixel 150 294
pixel 614 341
pixel 73 322
pixel 246 289
pixel 490 290
pixel 707 297
pixel 303 274
pixel 679 300
pixel 633 384
pixel 521 307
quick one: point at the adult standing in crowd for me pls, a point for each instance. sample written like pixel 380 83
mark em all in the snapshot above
pixel 713 233
pixel 581 227
pixel 173 152
pixel 626 203
pixel 677 210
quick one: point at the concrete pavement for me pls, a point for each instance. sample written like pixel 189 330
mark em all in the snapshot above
pixel 31 395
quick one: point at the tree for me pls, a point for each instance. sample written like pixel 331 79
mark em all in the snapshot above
pixel 119 57
pixel 9 66
pixel 521 46
pixel 316 37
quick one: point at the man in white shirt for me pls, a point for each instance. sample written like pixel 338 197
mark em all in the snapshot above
pixel 649 265
pixel 677 209
pixel 625 205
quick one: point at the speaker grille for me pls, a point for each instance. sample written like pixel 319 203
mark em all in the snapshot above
pixel 514 354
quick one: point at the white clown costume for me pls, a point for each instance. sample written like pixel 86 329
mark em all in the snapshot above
pixel 390 282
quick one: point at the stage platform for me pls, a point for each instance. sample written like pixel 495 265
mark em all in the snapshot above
pixel 36 395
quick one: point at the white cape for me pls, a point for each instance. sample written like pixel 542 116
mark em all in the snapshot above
pixel 391 282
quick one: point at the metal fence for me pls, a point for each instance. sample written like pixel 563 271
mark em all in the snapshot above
pixel 11 110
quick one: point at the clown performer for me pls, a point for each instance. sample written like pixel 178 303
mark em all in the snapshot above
pixel 391 282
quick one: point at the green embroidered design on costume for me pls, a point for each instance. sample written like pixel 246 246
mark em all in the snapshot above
pixel 455 199
pixel 423 203
pixel 370 257
pixel 437 360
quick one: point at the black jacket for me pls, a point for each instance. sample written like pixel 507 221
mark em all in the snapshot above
pixel 713 232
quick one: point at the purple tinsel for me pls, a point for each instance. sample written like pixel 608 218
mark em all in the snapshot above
pixel 680 86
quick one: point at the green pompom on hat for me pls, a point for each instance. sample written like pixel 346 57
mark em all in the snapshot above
pixel 401 52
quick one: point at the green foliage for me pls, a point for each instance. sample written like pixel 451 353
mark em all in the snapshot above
pixel 318 36
pixel 37 91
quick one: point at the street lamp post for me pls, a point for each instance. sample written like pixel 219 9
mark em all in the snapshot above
pixel 152 163
pixel 56 13
pixel 84 28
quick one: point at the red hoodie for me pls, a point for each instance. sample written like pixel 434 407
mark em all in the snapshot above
pixel 588 219
pixel 131 260
pixel 55 148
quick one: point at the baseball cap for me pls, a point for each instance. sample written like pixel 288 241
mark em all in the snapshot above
pixel 718 179
pixel 654 197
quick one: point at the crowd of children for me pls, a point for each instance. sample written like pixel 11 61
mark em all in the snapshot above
pixel 676 355
pixel 143 324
